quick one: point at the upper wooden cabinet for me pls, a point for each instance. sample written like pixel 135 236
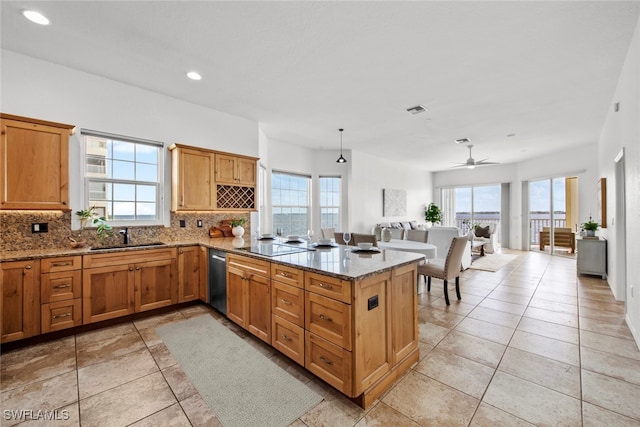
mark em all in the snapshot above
pixel 192 186
pixel 34 163
pixel 203 179
pixel 232 169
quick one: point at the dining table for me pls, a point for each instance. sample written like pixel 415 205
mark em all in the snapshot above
pixel 427 249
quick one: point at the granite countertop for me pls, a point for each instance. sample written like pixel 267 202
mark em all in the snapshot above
pixel 338 261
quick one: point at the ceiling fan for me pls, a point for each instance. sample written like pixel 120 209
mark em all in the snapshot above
pixel 472 163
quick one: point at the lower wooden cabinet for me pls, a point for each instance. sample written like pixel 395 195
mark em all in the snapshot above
pixel 20 303
pixel 288 338
pixel 330 362
pixel 249 295
pixel 189 273
pixel 114 286
pixel 61 293
pixel 61 315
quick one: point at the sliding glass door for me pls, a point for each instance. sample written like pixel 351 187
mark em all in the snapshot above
pixel 549 209
pixel 465 207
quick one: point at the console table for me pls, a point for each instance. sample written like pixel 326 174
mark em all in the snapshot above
pixel 592 256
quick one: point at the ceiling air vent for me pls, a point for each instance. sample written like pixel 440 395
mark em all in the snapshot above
pixel 417 109
pixel 463 141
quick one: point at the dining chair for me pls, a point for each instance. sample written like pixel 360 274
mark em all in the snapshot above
pixel 362 238
pixel 451 268
pixel 417 235
pixel 327 233
pixel 340 240
pixel 397 233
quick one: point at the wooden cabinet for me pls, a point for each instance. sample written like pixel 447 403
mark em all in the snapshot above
pixel 204 179
pixel 20 302
pixel 189 273
pixel 592 257
pixel 249 295
pixel 287 310
pixel 34 163
pixel 192 183
pixel 231 169
pixel 60 293
pixel 115 285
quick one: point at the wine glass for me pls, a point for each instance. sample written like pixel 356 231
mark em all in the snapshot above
pixel 346 236
pixel 310 235
pixel 279 232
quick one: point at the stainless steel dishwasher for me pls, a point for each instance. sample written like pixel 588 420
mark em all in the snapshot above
pixel 218 280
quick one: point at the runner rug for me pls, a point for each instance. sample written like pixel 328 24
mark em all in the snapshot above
pixel 241 385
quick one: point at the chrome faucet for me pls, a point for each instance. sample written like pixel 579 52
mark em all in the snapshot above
pixel 125 234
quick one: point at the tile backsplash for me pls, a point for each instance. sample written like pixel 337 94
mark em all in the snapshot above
pixel 16 229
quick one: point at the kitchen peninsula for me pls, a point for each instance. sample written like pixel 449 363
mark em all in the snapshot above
pixel 349 318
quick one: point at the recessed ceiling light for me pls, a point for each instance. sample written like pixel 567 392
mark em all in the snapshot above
pixel 35 17
pixel 463 141
pixel 194 75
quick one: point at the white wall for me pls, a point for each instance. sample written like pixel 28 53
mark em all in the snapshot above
pixel 622 130
pixel 580 162
pixel 369 176
pixel 42 90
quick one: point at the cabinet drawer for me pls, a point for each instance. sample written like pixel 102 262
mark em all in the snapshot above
pixel 289 275
pixel 328 361
pixel 61 315
pixel 128 257
pixel 61 286
pixel 329 319
pixel 288 339
pixel 288 302
pixel 51 265
pixel 249 265
pixel 331 287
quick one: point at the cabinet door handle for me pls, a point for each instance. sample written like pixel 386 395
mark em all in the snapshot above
pixel 325 360
pixel 137 268
pixel 66 285
pixel 284 301
pixel 130 268
pixel 286 338
pixel 327 318
pixel 27 267
pixel 61 264
pixel 60 316
pixel 322 285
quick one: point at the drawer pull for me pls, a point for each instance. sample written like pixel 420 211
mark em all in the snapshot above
pixel 284 274
pixel 284 301
pixel 61 264
pixel 60 316
pixel 27 267
pixel 327 318
pixel 62 286
pixel 322 285
pixel 286 338
pixel 325 360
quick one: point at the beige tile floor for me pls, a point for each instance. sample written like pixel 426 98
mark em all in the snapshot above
pixel 531 344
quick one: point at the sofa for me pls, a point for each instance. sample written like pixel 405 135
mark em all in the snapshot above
pixel 442 237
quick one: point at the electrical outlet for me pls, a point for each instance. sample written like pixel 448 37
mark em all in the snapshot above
pixel 199 223
pixel 183 223
pixel 40 227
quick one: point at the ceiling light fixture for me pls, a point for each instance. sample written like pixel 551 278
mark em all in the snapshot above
pixel 35 17
pixel 341 159
pixel 193 75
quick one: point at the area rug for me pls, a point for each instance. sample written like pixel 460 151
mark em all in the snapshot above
pixel 492 262
pixel 241 385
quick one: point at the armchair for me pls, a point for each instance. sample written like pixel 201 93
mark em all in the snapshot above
pixel 484 237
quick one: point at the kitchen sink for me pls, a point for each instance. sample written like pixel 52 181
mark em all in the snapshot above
pixel 141 245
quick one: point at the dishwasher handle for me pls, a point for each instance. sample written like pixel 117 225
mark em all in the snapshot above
pixel 218 258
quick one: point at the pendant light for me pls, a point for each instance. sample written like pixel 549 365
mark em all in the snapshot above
pixel 341 159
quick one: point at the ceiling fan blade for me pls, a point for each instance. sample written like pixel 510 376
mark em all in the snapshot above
pixel 482 162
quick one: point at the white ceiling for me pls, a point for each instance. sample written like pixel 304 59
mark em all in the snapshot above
pixel 545 71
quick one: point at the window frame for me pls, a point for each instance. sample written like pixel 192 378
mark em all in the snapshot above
pixel 308 206
pixel 159 184
pixel 337 226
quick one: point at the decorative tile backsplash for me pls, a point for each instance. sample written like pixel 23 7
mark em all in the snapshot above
pixel 16 229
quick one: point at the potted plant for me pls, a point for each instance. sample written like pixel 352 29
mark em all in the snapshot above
pixel 432 214
pixel 93 218
pixel 590 227
pixel 236 226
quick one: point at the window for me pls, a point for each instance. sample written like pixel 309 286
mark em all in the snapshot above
pixel 465 206
pixel 330 201
pixel 290 202
pixel 123 177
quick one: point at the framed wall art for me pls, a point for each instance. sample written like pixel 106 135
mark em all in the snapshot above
pixel 394 202
pixel 602 202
